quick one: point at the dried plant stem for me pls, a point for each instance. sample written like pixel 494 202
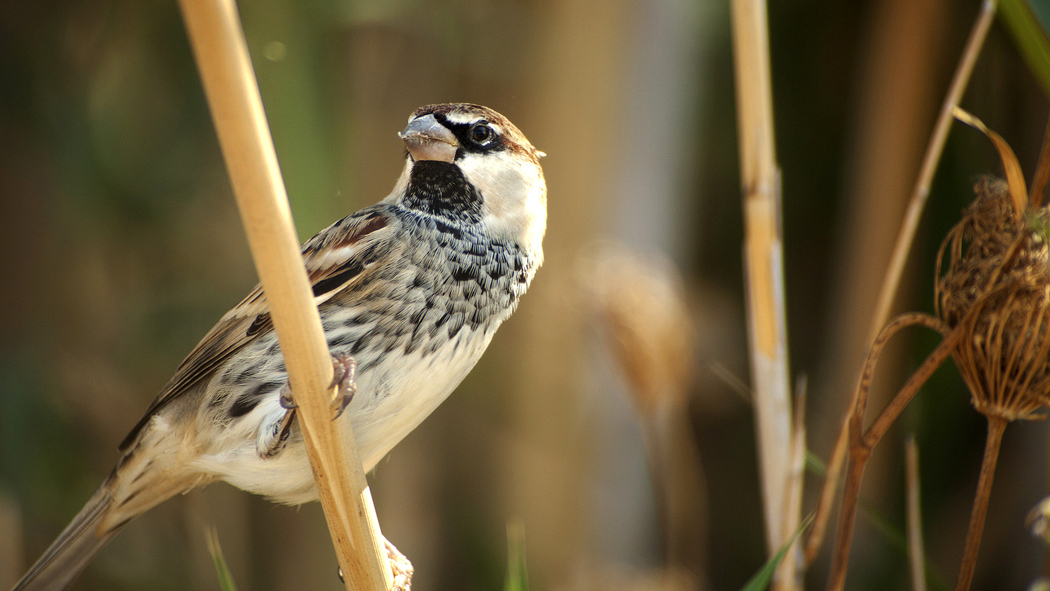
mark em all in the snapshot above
pixel 788 574
pixel 929 164
pixel 891 282
pixel 763 254
pixel 233 97
pixel 996 427
pixel 827 493
pixel 916 552
pixel 862 443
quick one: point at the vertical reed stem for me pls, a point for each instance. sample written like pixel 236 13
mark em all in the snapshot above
pixel 916 552
pixel 763 255
pixel 996 426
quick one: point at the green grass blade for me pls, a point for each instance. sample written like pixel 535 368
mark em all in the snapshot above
pixel 226 583
pixel 517 574
pixel 760 580
pixel 1029 30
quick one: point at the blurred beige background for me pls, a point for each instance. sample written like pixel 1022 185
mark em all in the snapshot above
pixel 120 246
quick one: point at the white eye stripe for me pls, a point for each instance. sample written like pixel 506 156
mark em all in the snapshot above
pixel 462 118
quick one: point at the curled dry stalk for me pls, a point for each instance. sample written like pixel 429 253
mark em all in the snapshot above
pixel 861 443
pixel 890 283
pixel 993 308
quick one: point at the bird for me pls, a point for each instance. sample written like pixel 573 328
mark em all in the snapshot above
pixel 410 292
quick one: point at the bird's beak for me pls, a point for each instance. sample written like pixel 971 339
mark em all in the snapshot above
pixel 427 139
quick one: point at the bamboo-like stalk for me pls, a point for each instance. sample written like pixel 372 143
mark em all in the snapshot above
pixel 788 576
pixel 916 551
pixel 233 97
pixel 763 255
pixel 902 247
pixel 996 427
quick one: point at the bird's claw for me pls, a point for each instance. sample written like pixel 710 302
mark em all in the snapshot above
pixel 344 379
pixel 286 400
pixel 344 370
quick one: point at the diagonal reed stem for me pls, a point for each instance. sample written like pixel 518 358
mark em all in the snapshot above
pixel 221 52
pixel 929 163
pixel 909 225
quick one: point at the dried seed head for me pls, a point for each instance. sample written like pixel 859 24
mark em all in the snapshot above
pixel 640 299
pixel 1000 266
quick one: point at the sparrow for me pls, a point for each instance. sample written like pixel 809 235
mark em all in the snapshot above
pixel 410 292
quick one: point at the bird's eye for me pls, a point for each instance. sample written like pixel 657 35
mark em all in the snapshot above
pixel 481 133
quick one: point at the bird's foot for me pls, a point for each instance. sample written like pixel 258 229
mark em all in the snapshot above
pixel 344 369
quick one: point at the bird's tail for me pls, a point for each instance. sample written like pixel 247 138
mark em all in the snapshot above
pixel 75 547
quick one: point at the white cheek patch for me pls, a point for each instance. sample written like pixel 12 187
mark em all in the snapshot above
pixel 514 195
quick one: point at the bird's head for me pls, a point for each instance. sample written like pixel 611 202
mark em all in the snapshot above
pixel 469 163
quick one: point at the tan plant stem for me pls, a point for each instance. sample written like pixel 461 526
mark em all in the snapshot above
pixel 763 255
pixel 827 494
pixel 891 282
pixel 233 96
pixel 788 576
pixel 996 427
pixel 916 552
pixel 929 164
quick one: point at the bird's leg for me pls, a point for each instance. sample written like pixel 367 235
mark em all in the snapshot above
pixel 344 370
pixel 274 437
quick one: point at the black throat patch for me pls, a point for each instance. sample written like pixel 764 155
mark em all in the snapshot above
pixel 440 189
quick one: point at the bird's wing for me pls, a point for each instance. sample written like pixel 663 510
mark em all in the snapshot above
pixel 335 257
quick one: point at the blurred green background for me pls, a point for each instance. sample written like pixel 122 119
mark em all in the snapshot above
pixel 120 246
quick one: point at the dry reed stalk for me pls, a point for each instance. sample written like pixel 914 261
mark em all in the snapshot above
pixel 763 254
pixel 827 493
pixel 929 164
pixel 789 572
pixel 233 96
pixel 916 551
pixel 902 247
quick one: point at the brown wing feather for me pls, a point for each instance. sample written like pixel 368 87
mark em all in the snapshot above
pixel 333 258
